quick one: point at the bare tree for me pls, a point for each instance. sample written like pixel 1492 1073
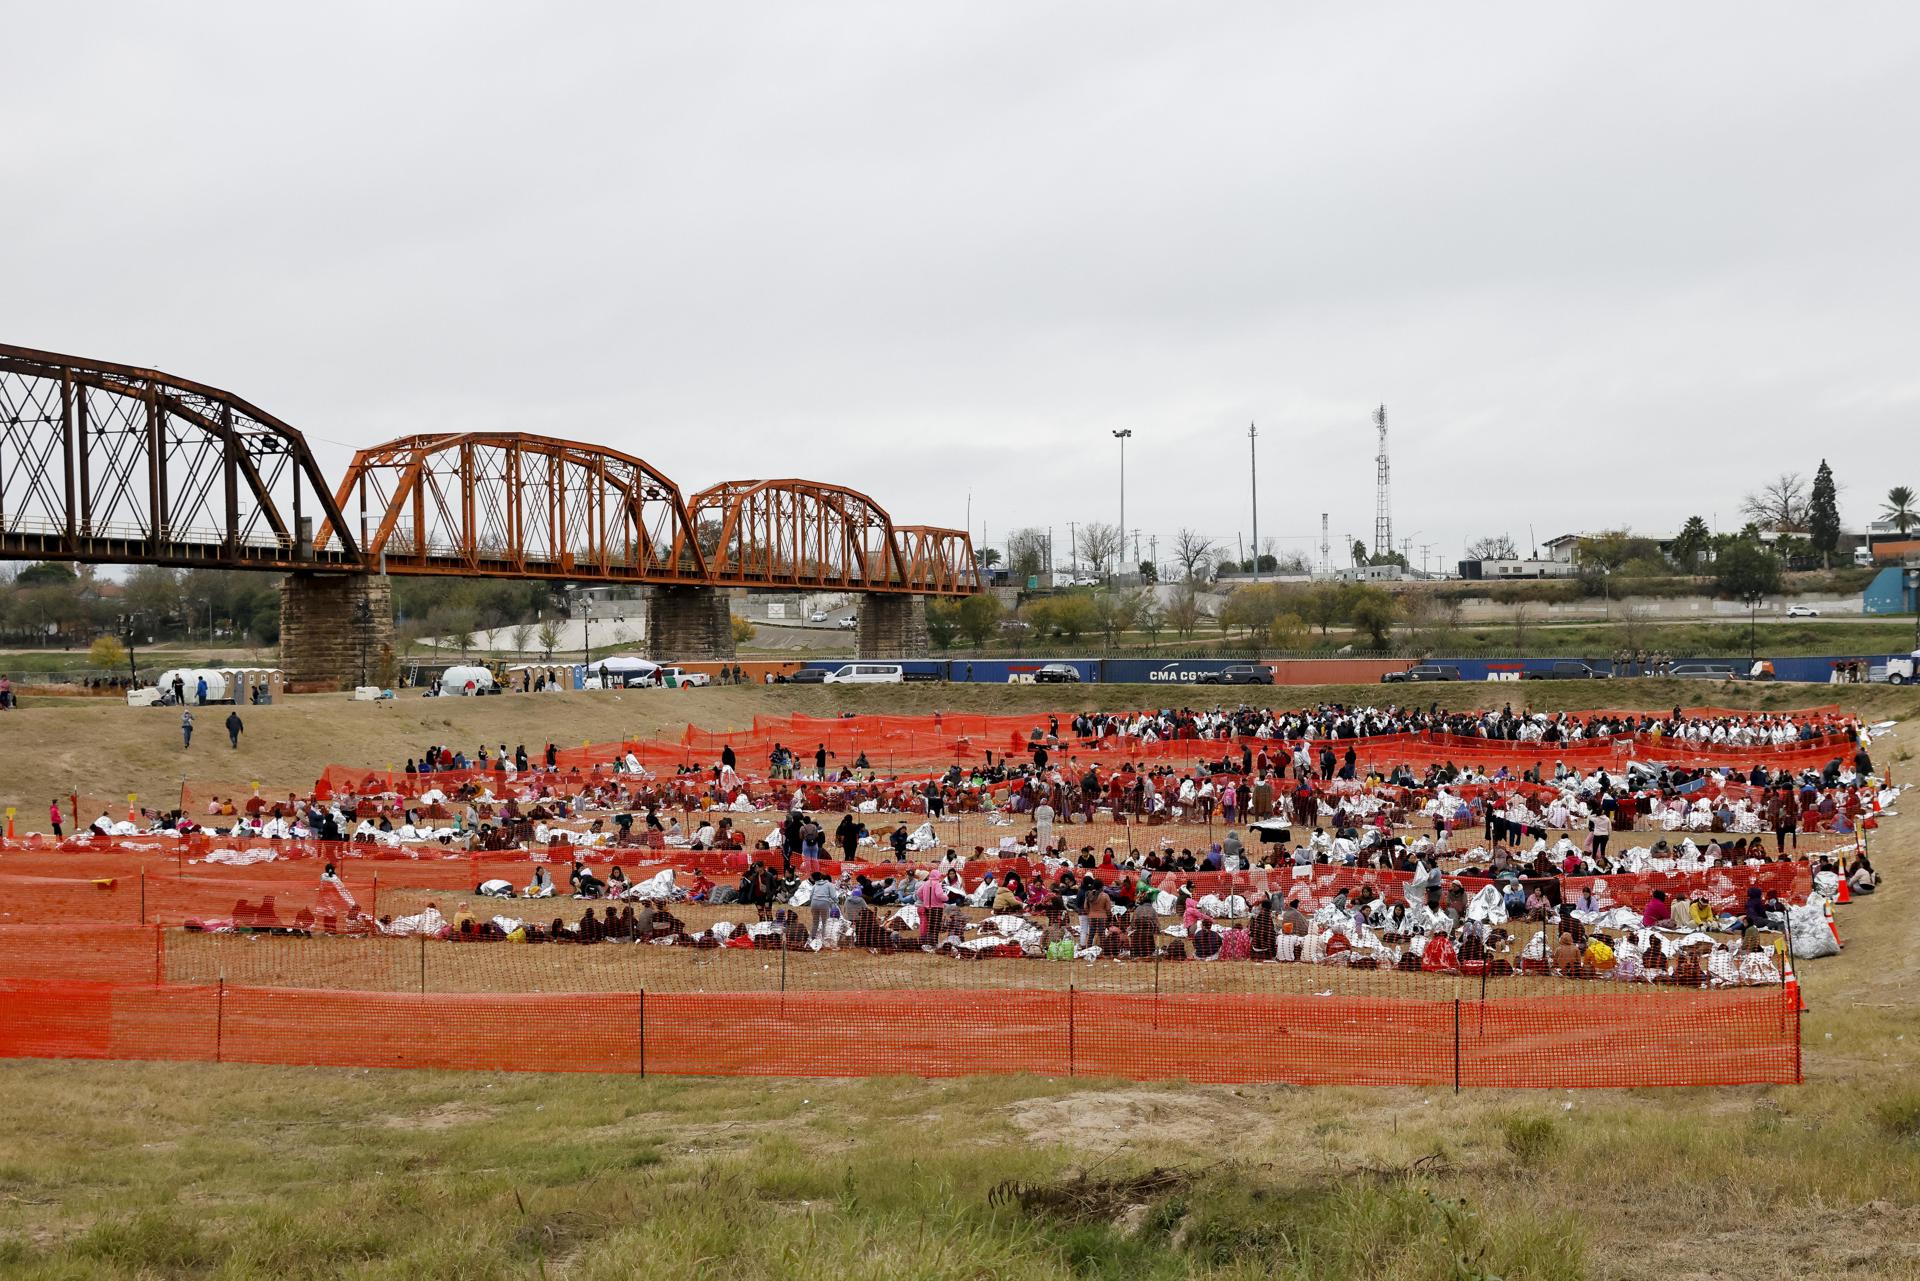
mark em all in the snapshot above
pixel 1192 552
pixel 1184 612
pixel 1098 543
pixel 1493 547
pixel 1027 553
pixel 1780 505
pixel 521 632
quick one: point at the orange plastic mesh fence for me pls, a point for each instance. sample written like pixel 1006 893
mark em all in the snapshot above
pixel 1686 1038
pixel 131 993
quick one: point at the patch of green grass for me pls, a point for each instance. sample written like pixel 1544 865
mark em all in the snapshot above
pixel 1898 1116
pixel 1529 1137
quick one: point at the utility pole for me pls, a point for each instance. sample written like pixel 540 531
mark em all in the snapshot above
pixel 1253 479
pixel 1122 436
pixel 1153 551
pixel 1136 547
pixel 1326 566
pixel 1073 547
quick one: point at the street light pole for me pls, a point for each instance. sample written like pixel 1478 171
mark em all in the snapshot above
pixel 1122 436
pixel 1253 479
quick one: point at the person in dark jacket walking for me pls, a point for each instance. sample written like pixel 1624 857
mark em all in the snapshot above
pixel 234 726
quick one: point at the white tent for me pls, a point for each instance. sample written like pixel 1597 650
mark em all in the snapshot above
pixel 456 678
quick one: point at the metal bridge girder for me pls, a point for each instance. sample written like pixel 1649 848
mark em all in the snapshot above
pixel 514 505
pixel 111 463
pixel 809 535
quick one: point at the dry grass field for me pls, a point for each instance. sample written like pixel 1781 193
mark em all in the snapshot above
pixel 157 1170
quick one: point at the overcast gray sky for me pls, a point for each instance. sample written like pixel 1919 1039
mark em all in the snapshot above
pixel 1603 263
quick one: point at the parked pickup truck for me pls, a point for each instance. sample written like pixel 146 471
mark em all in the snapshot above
pixel 1564 671
pixel 1422 672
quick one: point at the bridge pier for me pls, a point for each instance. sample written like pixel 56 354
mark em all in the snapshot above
pixel 892 626
pixel 689 623
pixel 336 630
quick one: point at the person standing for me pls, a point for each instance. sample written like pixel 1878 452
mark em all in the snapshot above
pixel 186 730
pixel 200 692
pixel 234 726
pixel 53 816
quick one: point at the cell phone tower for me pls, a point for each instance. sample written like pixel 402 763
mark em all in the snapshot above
pixel 1382 508
pixel 1326 565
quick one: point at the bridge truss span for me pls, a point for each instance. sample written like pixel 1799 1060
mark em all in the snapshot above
pixel 107 463
pixel 508 504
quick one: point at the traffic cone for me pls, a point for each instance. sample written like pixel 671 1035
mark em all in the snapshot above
pixel 1794 994
pixel 1827 908
pixel 1844 895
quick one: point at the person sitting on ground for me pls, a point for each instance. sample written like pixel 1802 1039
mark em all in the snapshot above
pixel 1262 938
pixel 1566 956
pixel 1861 878
pixel 1657 911
pixel 1206 942
pixel 1144 941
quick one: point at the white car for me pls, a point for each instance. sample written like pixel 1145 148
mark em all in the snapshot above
pixel 817 616
pixel 848 623
pixel 684 678
pixel 867 674
pixel 1802 611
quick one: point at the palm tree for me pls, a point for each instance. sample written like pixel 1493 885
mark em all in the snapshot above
pixel 1900 509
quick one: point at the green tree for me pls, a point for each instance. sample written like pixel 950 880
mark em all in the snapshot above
pixel 1823 515
pixel 1899 510
pixel 987 558
pixel 46 573
pixel 1074 615
pixel 1149 572
pixel 979 618
pixel 1692 544
pixel 1287 633
pixel 1359 552
pixel 1253 608
pixel 1371 610
pixel 943 623
pixel 1325 605
pixel 1746 571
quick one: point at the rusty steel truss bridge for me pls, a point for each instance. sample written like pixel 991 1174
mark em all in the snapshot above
pixel 113 464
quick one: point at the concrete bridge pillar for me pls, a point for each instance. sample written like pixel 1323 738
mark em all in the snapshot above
pixel 688 623
pixel 336 630
pixel 892 627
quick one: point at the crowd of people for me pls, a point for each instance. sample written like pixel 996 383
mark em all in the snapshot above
pixel 831 851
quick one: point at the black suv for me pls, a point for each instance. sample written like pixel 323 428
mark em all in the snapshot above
pixel 1422 672
pixel 1247 674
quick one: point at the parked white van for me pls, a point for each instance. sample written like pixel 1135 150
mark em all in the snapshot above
pixel 868 674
